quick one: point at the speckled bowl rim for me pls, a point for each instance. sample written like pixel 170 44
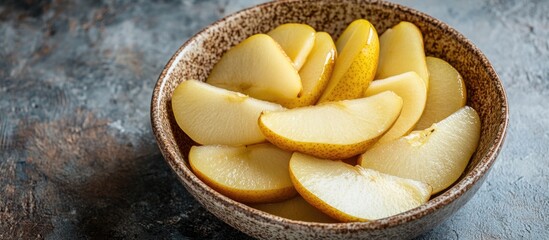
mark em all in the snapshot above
pixel 458 189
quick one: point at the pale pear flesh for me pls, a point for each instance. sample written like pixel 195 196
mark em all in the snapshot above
pixel 447 92
pixel 296 40
pixel 257 67
pixel 411 88
pixel 354 146
pixel 316 72
pixel 252 174
pixel 401 50
pixel 334 130
pixel 353 193
pixel 437 155
pixel 296 209
pixel 211 115
pixel 356 64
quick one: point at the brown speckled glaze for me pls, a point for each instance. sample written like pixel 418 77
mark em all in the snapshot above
pixel 197 56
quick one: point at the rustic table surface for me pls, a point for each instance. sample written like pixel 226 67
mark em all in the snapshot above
pixel 78 158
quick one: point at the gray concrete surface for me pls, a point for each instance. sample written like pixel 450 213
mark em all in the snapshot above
pixel 78 159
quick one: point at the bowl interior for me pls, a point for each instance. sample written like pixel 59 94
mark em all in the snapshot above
pixel 197 56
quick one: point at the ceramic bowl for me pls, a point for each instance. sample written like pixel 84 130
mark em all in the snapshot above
pixel 195 58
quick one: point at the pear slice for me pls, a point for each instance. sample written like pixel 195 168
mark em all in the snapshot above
pixel 316 72
pixel 437 155
pixel 411 88
pixel 258 67
pixel 353 193
pixel 358 49
pixel 212 115
pixel 296 209
pixel 296 39
pixel 251 174
pixel 401 50
pixel 447 92
pixel 334 130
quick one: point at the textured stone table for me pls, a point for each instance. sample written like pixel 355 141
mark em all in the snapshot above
pixel 78 159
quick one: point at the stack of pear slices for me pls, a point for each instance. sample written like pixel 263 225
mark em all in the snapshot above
pixel 293 124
